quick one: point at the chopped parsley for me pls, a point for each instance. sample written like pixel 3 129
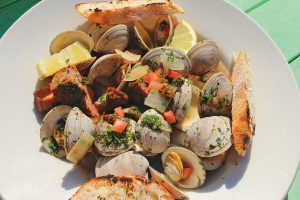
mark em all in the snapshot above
pixel 152 121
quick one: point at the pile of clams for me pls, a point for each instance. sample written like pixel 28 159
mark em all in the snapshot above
pixel 177 107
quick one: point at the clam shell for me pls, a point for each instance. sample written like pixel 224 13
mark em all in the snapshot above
pixel 49 124
pixel 129 163
pixel 77 122
pixel 142 36
pixel 205 56
pixel 160 39
pixel 216 96
pixel 117 37
pixel 149 24
pixel 104 67
pixel 152 141
pixel 153 60
pixel 182 100
pixel 67 38
pixel 189 159
pixel 113 149
pixel 209 136
pixel 97 30
pixel 213 163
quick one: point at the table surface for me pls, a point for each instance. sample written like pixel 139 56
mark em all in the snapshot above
pixel 277 17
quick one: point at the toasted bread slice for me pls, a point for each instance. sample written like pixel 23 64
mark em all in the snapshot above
pixel 121 187
pixel 124 11
pixel 243 119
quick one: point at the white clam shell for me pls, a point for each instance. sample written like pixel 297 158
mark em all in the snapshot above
pixel 153 59
pixel 209 136
pixel 152 141
pixel 160 39
pixel 129 163
pixel 77 122
pixel 104 67
pixel 97 30
pixel 67 38
pixel 142 36
pixel 117 37
pixel 189 159
pixel 213 163
pixel 112 149
pixel 49 124
pixel 182 100
pixel 218 86
pixel 205 56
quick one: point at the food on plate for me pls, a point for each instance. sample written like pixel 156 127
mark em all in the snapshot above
pixel 124 11
pixel 243 116
pixel 122 187
pixel 152 98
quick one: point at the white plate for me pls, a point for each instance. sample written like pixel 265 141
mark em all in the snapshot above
pixel 27 172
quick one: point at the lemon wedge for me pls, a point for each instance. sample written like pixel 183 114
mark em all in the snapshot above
pixel 184 37
pixel 71 55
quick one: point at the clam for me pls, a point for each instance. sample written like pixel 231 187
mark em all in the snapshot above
pixel 167 183
pixel 129 163
pixel 142 36
pixel 54 122
pixel 117 37
pixel 149 24
pixel 154 132
pixel 110 143
pixel 172 56
pixel 163 31
pixel 183 167
pixel 77 123
pixel 182 100
pixel 67 38
pixel 216 96
pixel 209 136
pixel 205 56
pixel 192 111
pixel 104 68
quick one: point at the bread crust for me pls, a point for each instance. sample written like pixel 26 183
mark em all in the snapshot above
pixel 243 119
pixel 124 11
pixel 121 187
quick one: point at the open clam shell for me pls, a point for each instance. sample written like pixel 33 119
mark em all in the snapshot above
pixel 117 37
pixel 109 143
pixel 209 136
pixel 149 24
pixel 77 122
pixel 189 160
pixel 153 140
pixel 67 38
pixel 142 36
pixel 163 31
pixel 96 30
pixel 104 67
pixel 128 163
pixel 215 162
pixel 153 58
pixel 205 56
pixel 49 124
pixel 216 96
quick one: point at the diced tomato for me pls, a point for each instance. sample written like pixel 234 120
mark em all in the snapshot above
pixel 160 73
pixel 150 77
pixel 169 116
pixel 167 30
pixel 144 89
pixel 167 90
pixel 187 172
pixel 155 85
pixel 119 126
pixel 172 74
pixel 119 111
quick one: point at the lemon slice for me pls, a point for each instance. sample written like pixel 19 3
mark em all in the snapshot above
pixel 71 55
pixel 184 37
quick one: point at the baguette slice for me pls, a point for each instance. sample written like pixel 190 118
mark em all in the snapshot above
pixel 124 11
pixel 121 187
pixel 243 118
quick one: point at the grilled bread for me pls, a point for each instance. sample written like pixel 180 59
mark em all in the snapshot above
pixel 121 187
pixel 243 119
pixel 124 11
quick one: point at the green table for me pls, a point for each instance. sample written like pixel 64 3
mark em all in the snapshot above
pixel 277 17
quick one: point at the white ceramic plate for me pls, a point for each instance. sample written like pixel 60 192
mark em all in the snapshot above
pixel 27 172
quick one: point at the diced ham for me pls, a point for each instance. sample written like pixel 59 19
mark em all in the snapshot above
pixel 44 99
